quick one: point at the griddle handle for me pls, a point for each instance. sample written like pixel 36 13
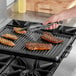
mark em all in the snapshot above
pixel 68 49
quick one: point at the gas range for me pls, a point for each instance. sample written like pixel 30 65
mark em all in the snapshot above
pixel 21 66
pixel 31 65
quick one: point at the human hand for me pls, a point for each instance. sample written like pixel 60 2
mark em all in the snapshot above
pixel 54 18
pixel 66 14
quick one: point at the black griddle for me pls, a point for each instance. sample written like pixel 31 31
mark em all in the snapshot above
pixel 19 49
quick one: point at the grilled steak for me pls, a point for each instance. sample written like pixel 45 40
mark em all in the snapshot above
pixel 38 46
pixel 6 42
pixel 10 36
pixel 18 30
pixel 50 38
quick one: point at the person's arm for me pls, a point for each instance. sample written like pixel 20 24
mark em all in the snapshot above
pixel 68 13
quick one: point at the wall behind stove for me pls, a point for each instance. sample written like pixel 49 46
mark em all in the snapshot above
pixel 49 6
pixel 3 11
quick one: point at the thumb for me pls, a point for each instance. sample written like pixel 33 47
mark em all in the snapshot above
pixel 46 22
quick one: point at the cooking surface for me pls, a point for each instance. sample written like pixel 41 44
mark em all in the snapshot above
pixel 21 66
pixel 54 54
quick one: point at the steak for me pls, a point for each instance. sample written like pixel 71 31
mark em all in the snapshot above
pixel 6 42
pixel 50 38
pixel 38 46
pixel 10 36
pixel 18 30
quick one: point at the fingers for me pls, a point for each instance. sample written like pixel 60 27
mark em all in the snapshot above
pixel 54 26
pixel 45 23
pixel 54 18
pixel 48 21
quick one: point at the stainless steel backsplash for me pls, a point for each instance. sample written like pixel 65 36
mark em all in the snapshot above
pixel 3 11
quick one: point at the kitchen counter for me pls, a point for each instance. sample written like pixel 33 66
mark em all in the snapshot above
pixel 29 16
pixel 68 65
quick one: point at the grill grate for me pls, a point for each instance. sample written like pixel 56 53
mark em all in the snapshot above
pixel 53 54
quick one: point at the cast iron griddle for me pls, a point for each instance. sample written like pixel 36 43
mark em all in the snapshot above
pixel 19 49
